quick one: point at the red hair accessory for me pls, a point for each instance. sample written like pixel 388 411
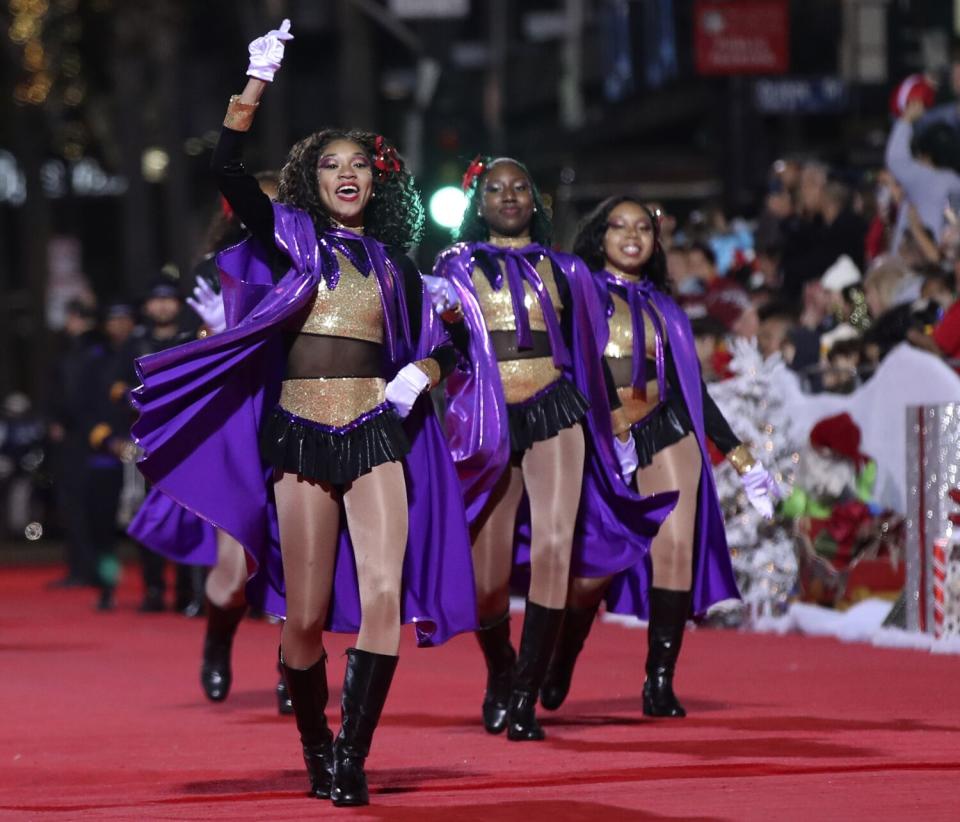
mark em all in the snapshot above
pixel 385 158
pixel 225 208
pixel 475 169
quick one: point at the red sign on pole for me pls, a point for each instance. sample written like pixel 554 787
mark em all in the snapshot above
pixel 742 36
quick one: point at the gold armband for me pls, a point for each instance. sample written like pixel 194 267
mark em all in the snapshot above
pixel 741 459
pixel 431 368
pixel 239 115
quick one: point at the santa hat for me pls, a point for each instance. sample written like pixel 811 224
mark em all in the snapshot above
pixel 727 304
pixel 915 87
pixel 841 435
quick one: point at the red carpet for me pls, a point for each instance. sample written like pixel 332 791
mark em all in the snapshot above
pixel 103 718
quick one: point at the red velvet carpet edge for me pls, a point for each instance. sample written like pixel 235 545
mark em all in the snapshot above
pixel 103 718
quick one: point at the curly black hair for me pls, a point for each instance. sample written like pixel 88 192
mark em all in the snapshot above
pixel 474 228
pixel 394 215
pixel 588 244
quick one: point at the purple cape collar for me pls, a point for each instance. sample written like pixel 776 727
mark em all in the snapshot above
pixel 638 294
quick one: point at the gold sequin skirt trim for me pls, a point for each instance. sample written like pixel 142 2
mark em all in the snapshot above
pixel 334 401
pixel 523 379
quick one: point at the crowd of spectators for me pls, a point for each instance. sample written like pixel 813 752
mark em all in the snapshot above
pixel 839 267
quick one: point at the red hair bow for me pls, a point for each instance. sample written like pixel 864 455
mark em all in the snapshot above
pixel 475 169
pixel 385 158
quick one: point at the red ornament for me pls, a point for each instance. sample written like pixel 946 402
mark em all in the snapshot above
pixel 385 158
pixel 475 169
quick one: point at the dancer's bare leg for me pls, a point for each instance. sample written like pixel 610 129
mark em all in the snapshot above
pixel 493 546
pixel 676 468
pixel 553 476
pixel 228 578
pixel 309 517
pixel 377 517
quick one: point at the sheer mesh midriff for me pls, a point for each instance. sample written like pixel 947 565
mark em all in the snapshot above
pixel 621 368
pixel 311 355
pixel 505 345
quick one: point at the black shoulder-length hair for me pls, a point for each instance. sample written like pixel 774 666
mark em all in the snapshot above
pixel 474 228
pixel 394 215
pixel 588 245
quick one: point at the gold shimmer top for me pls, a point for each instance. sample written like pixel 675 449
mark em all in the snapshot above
pixel 619 354
pixel 620 343
pixel 353 309
pixel 497 305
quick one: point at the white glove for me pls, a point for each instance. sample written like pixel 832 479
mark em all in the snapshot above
pixel 761 488
pixel 627 455
pixel 442 293
pixel 266 53
pixel 403 390
pixel 208 306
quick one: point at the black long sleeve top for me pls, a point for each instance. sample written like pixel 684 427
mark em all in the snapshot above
pixel 253 207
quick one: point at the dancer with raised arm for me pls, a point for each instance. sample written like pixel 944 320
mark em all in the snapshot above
pixel 329 352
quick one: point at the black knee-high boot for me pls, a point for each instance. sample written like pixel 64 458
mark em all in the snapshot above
pixel 365 686
pixel 577 623
pixel 500 657
pixel 284 705
pixel 541 627
pixel 215 672
pixel 309 695
pixel 668 617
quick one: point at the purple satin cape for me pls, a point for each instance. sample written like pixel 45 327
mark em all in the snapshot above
pixel 614 524
pixel 173 532
pixel 713 577
pixel 201 405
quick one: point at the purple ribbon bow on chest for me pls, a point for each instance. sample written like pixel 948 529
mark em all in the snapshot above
pixel 520 266
pixel 638 296
pixel 367 254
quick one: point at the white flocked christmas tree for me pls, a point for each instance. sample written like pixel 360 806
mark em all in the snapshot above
pixel 763 552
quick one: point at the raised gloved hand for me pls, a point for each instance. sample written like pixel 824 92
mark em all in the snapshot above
pixel 208 305
pixel 403 390
pixel 761 488
pixel 266 53
pixel 627 455
pixel 442 293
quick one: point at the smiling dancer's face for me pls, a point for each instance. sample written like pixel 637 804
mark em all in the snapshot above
pixel 345 181
pixel 507 202
pixel 629 239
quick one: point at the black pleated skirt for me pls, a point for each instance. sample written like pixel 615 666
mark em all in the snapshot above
pixel 560 405
pixel 335 455
pixel 661 428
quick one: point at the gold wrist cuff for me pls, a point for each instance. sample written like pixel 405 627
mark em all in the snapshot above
pixel 431 368
pixel 741 459
pixel 239 115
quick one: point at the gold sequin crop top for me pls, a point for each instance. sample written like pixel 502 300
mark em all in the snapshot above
pixel 353 309
pixel 497 305
pixel 620 343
